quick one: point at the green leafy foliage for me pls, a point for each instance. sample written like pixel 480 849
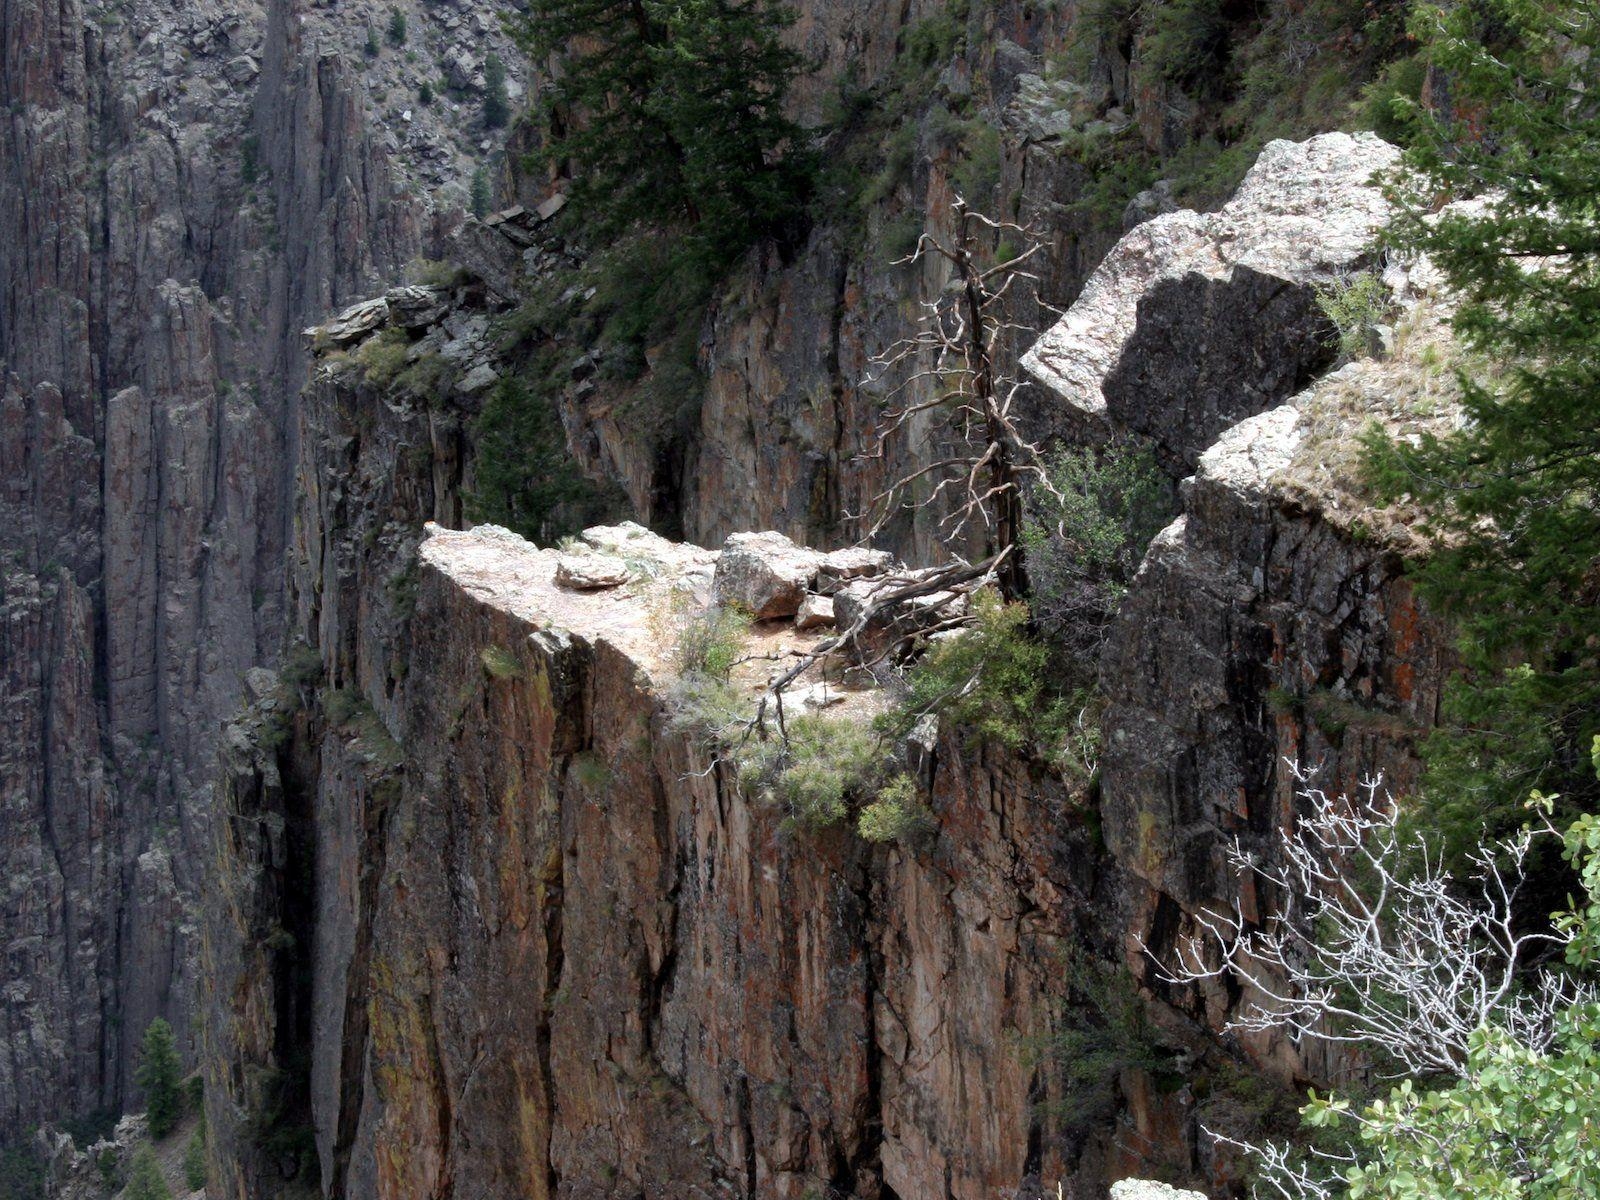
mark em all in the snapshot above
pixel 480 199
pixel 896 814
pixel 671 114
pixel 824 763
pixel 496 103
pixel 710 641
pixel 160 1077
pixel 1512 494
pixel 1357 304
pixel 1086 535
pixel 1518 1124
pixel 1002 683
pixel 145 1181
pixel 22 1172
pixel 1105 1031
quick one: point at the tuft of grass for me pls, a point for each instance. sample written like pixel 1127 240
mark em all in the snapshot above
pixel 500 663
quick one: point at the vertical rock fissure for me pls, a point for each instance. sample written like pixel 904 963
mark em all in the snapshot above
pixel 550 912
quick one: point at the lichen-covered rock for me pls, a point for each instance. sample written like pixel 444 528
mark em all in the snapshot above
pixel 1149 1189
pixel 815 613
pixel 590 572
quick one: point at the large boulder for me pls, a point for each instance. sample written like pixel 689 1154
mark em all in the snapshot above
pixel 766 574
pixel 1196 321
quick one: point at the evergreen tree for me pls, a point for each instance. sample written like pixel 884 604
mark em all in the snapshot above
pixel 397 27
pixel 160 1076
pixel 1514 493
pixel 145 1181
pixel 496 104
pixel 671 112
pixel 194 1157
pixel 480 198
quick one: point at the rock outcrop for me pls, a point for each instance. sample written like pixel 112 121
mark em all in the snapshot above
pixel 556 950
pixel 1196 321
pixel 1273 623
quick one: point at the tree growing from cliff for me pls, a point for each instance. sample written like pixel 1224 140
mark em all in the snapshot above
pixel 671 113
pixel 160 1076
pixel 145 1181
pixel 1492 1027
pixel 1513 493
pixel 496 103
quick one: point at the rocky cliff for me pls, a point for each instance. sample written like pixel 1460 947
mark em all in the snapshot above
pixel 488 920
pixel 186 186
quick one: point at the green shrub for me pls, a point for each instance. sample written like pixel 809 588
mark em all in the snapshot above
pixel 709 709
pixel 1085 536
pixel 250 159
pixel 425 93
pixel 194 1158
pixel 995 679
pixel 1356 303
pixel 1186 41
pixel 397 27
pixel 710 641
pixel 824 763
pixel 383 357
pixel 525 478
pixel 500 663
pixel 1388 103
pixel 896 814
pixel 496 104
pixel 480 200
pixel 145 1181
pixel 22 1171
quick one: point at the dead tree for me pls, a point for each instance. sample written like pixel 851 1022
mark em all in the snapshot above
pixel 982 476
pixel 954 352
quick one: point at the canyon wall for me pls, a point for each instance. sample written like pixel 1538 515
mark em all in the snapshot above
pixel 488 920
pixel 186 186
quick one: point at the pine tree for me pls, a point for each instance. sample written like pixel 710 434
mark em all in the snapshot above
pixel 194 1157
pixel 397 27
pixel 145 1181
pixel 496 104
pixel 160 1076
pixel 480 198
pixel 671 112
pixel 1514 493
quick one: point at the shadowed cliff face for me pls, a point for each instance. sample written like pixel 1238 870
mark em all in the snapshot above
pixel 185 187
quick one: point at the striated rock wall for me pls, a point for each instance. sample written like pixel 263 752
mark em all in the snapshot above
pixel 594 967
pixel 186 186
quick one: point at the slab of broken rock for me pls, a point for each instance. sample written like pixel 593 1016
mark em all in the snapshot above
pixel 770 576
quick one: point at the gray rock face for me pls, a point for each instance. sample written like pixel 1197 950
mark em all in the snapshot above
pixel 187 186
pixel 1264 627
